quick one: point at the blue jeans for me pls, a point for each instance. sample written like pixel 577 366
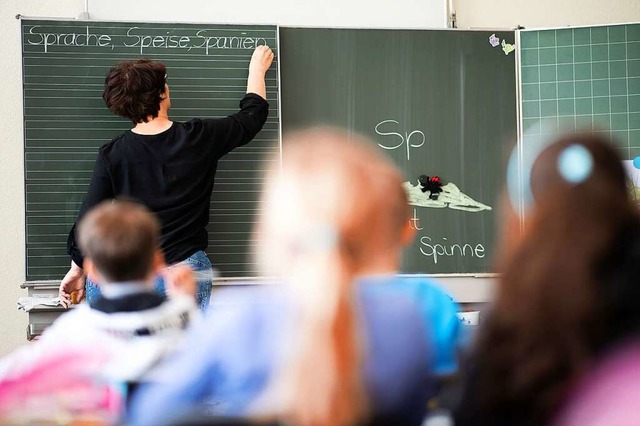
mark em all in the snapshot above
pixel 202 270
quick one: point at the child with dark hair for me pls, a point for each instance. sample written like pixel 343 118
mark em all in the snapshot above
pixel 568 292
pixel 168 166
pixel 127 330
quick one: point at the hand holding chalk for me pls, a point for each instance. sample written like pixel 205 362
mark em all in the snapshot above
pixel 261 60
pixel 260 63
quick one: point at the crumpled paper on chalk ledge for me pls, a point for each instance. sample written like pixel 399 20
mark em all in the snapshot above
pixel 29 302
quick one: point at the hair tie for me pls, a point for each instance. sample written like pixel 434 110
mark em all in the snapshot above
pixel 575 164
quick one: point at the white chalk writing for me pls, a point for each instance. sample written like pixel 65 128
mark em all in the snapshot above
pixel 446 249
pixel 142 40
pixel 402 139
pixel 414 222
pixel 209 42
pixel 167 41
pixel 85 38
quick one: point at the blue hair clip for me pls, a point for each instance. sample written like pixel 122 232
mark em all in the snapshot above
pixel 575 164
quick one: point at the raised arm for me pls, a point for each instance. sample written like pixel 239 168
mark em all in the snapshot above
pixel 260 63
pixel 240 128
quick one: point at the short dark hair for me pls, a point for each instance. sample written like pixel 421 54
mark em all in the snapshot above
pixel 120 237
pixel 133 89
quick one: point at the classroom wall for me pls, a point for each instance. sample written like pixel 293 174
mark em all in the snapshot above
pixel 359 13
pixel 13 323
pixel 378 13
pixel 544 13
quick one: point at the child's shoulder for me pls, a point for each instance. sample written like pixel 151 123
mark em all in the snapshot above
pixel 85 323
pixel 262 303
pixel 73 326
pixel 415 287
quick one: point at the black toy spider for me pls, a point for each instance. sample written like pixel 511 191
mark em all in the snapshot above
pixel 433 184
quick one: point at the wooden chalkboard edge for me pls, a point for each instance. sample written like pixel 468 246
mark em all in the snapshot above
pixel 571 27
pixel 519 148
pixel 463 288
pixel 45 18
pixel 279 81
pixel 41 284
pixel 127 21
pixel 479 275
pixel 272 280
pixel 472 29
pixel 20 18
pixel 50 284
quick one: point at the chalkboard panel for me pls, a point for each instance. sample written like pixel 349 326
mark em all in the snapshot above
pixel 438 102
pixel 65 121
pixel 585 78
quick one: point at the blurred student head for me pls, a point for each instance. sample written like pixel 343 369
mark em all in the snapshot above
pixel 335 196
pixel 336 209
pixel 566 280
pixel 120 240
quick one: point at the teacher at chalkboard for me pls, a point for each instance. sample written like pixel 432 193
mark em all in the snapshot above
pixel 166 165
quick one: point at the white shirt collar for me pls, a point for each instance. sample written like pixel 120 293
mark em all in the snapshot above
pixel 120 289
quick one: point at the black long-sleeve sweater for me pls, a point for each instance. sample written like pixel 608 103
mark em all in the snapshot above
pixel 172 173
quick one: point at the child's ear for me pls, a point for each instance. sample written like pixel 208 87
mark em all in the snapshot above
pixel 158 261
pixel 408 232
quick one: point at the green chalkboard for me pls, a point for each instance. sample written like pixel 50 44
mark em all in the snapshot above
pixel 438 102
pixel 65 121
pixel 585 78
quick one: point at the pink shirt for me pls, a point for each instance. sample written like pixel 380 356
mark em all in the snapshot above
pixel 610 394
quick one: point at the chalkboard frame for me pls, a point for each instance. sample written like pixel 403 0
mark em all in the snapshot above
pixel 280 130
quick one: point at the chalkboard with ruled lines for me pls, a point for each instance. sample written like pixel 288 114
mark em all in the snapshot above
pixel 66 121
